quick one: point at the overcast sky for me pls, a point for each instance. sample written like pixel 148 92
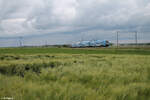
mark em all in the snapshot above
pixel 64 21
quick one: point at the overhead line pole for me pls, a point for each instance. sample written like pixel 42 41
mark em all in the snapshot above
pixel 117 39
pixel 46 43
pixel 136 39
pixel 20 41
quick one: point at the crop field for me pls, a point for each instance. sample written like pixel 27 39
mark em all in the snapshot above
pixel 75 74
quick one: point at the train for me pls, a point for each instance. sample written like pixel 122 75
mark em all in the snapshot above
pixel 94 43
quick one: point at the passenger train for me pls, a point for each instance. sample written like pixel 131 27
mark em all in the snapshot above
pixel 94 43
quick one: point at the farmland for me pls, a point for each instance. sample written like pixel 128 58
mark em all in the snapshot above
pixel 75 74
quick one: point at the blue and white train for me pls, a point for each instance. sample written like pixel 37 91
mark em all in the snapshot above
pixel 94 43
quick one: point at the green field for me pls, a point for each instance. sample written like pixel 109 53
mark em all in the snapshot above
pixel 75 74
pixel 40 50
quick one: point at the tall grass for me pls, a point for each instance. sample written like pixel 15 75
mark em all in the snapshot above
pixel 75 77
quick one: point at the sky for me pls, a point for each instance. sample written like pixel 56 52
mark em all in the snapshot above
pixel 68 21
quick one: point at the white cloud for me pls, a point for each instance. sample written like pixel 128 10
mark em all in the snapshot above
pixel 31 17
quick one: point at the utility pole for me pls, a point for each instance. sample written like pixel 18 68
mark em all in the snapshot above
pixel 136 38
pixel 117 39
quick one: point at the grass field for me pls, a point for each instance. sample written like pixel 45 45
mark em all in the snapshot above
pixel 75 74
pixel 40 50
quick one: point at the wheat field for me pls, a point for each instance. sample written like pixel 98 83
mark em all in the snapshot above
pixel 62 76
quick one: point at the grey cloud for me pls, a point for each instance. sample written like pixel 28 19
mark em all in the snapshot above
pixel 39 17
